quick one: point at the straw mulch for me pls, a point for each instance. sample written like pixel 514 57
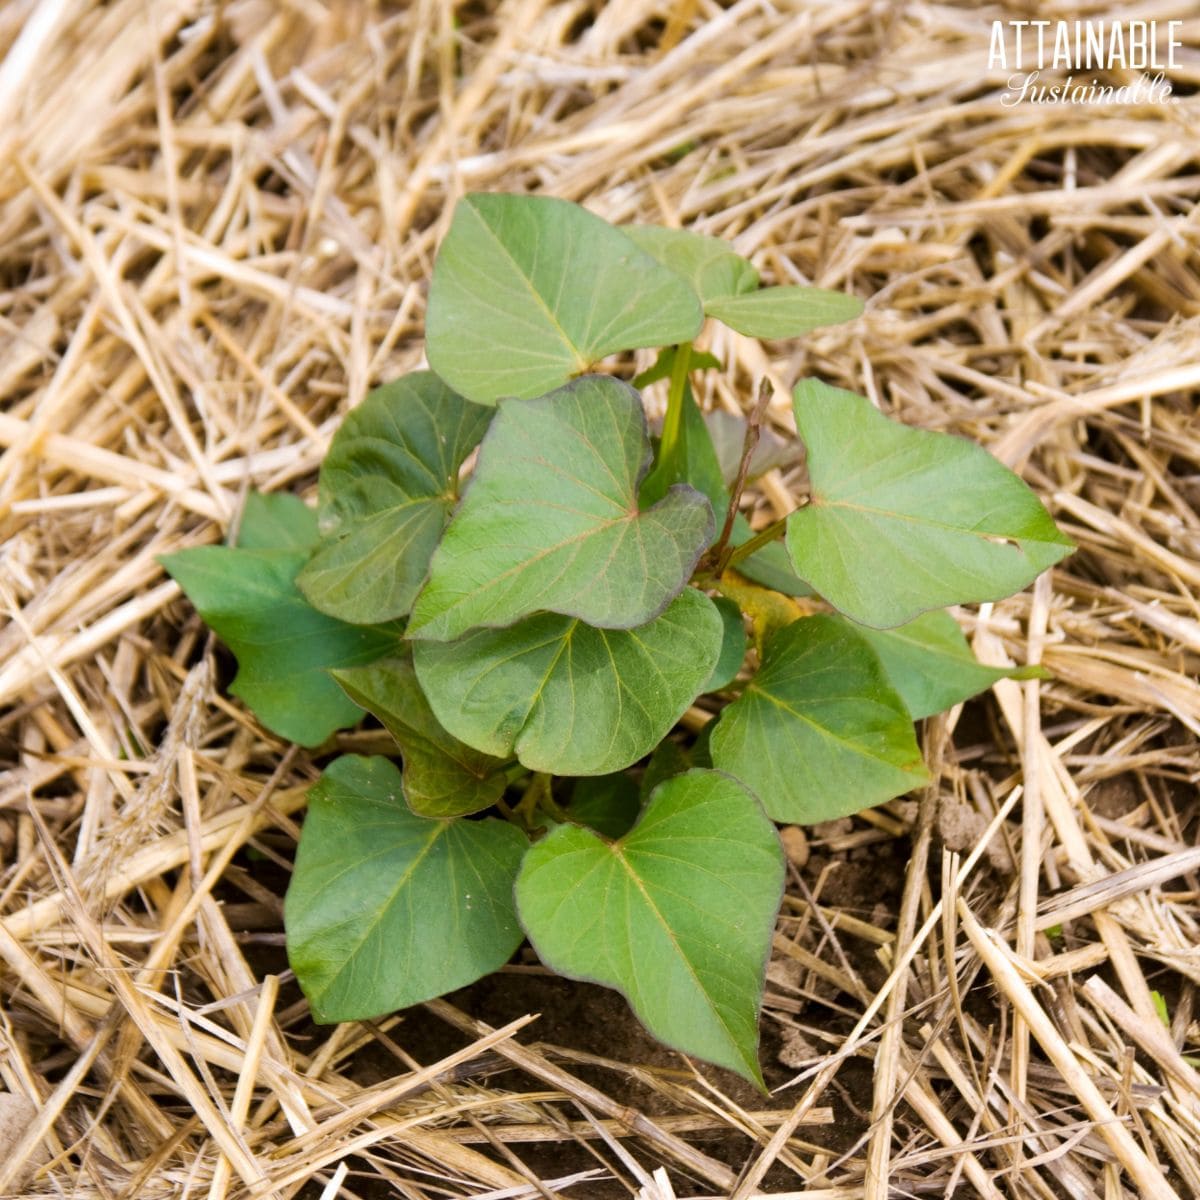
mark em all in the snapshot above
pixel 218 221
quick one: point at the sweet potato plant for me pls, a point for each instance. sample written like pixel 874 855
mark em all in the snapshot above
pixel 529 592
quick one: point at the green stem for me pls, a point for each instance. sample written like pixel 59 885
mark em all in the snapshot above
pixel 757 542
pixel 673 422
pixel 552 808
pixel 538 798
pixel 527 806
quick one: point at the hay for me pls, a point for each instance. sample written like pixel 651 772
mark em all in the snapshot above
pixel 218 221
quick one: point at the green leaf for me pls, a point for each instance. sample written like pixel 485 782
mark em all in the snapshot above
pixel 677 915
pixel 784 312
pixel 276 522
pixel 904 520
pixel 550 521
pixel 727 285
pixel 284 647
pixel 733 646
pixel 698 360
pixel 387 909
pixel 529 291
pixel 691 460
pixel 819 733
pixel 713 268
pixel 387 486
pixel 608 804
pixel 569 699
pixel 442 776
pixel 930 664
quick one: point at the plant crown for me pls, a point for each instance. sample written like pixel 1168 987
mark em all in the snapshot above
pixel 532 632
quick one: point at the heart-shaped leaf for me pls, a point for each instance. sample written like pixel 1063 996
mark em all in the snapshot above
pixel 284 647
pixel 550 521
pixel 905 520
pixel 569 699
pixel 528 292
pixel 677 915
pixel 713 268
pixel 387 909
pixel 819 733
pixel 442 777
pixel 930 664
pixel 784 312
pixel 387 486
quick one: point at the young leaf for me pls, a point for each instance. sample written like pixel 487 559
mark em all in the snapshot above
pixel 677 915
pixel 819 733
pixel 733 646
pixel 279 521
pixel 930 664
pixel 550 521
pixel 284 647
pixel 767 609
pixel 569 699
pixel 529 291
pixel 784 312
pixel 904 520
pixel 609 804
pixel 714 269
pixel 387 486
pixel 442 776
pixel 387 909
pixel 727 284
pixel 692 460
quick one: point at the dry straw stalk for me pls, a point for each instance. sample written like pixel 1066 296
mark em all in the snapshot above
pixel 219 221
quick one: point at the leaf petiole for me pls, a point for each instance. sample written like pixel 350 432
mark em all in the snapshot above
pixel 673 421
pixel 538 797
pixel 757 542
pixel 531 799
